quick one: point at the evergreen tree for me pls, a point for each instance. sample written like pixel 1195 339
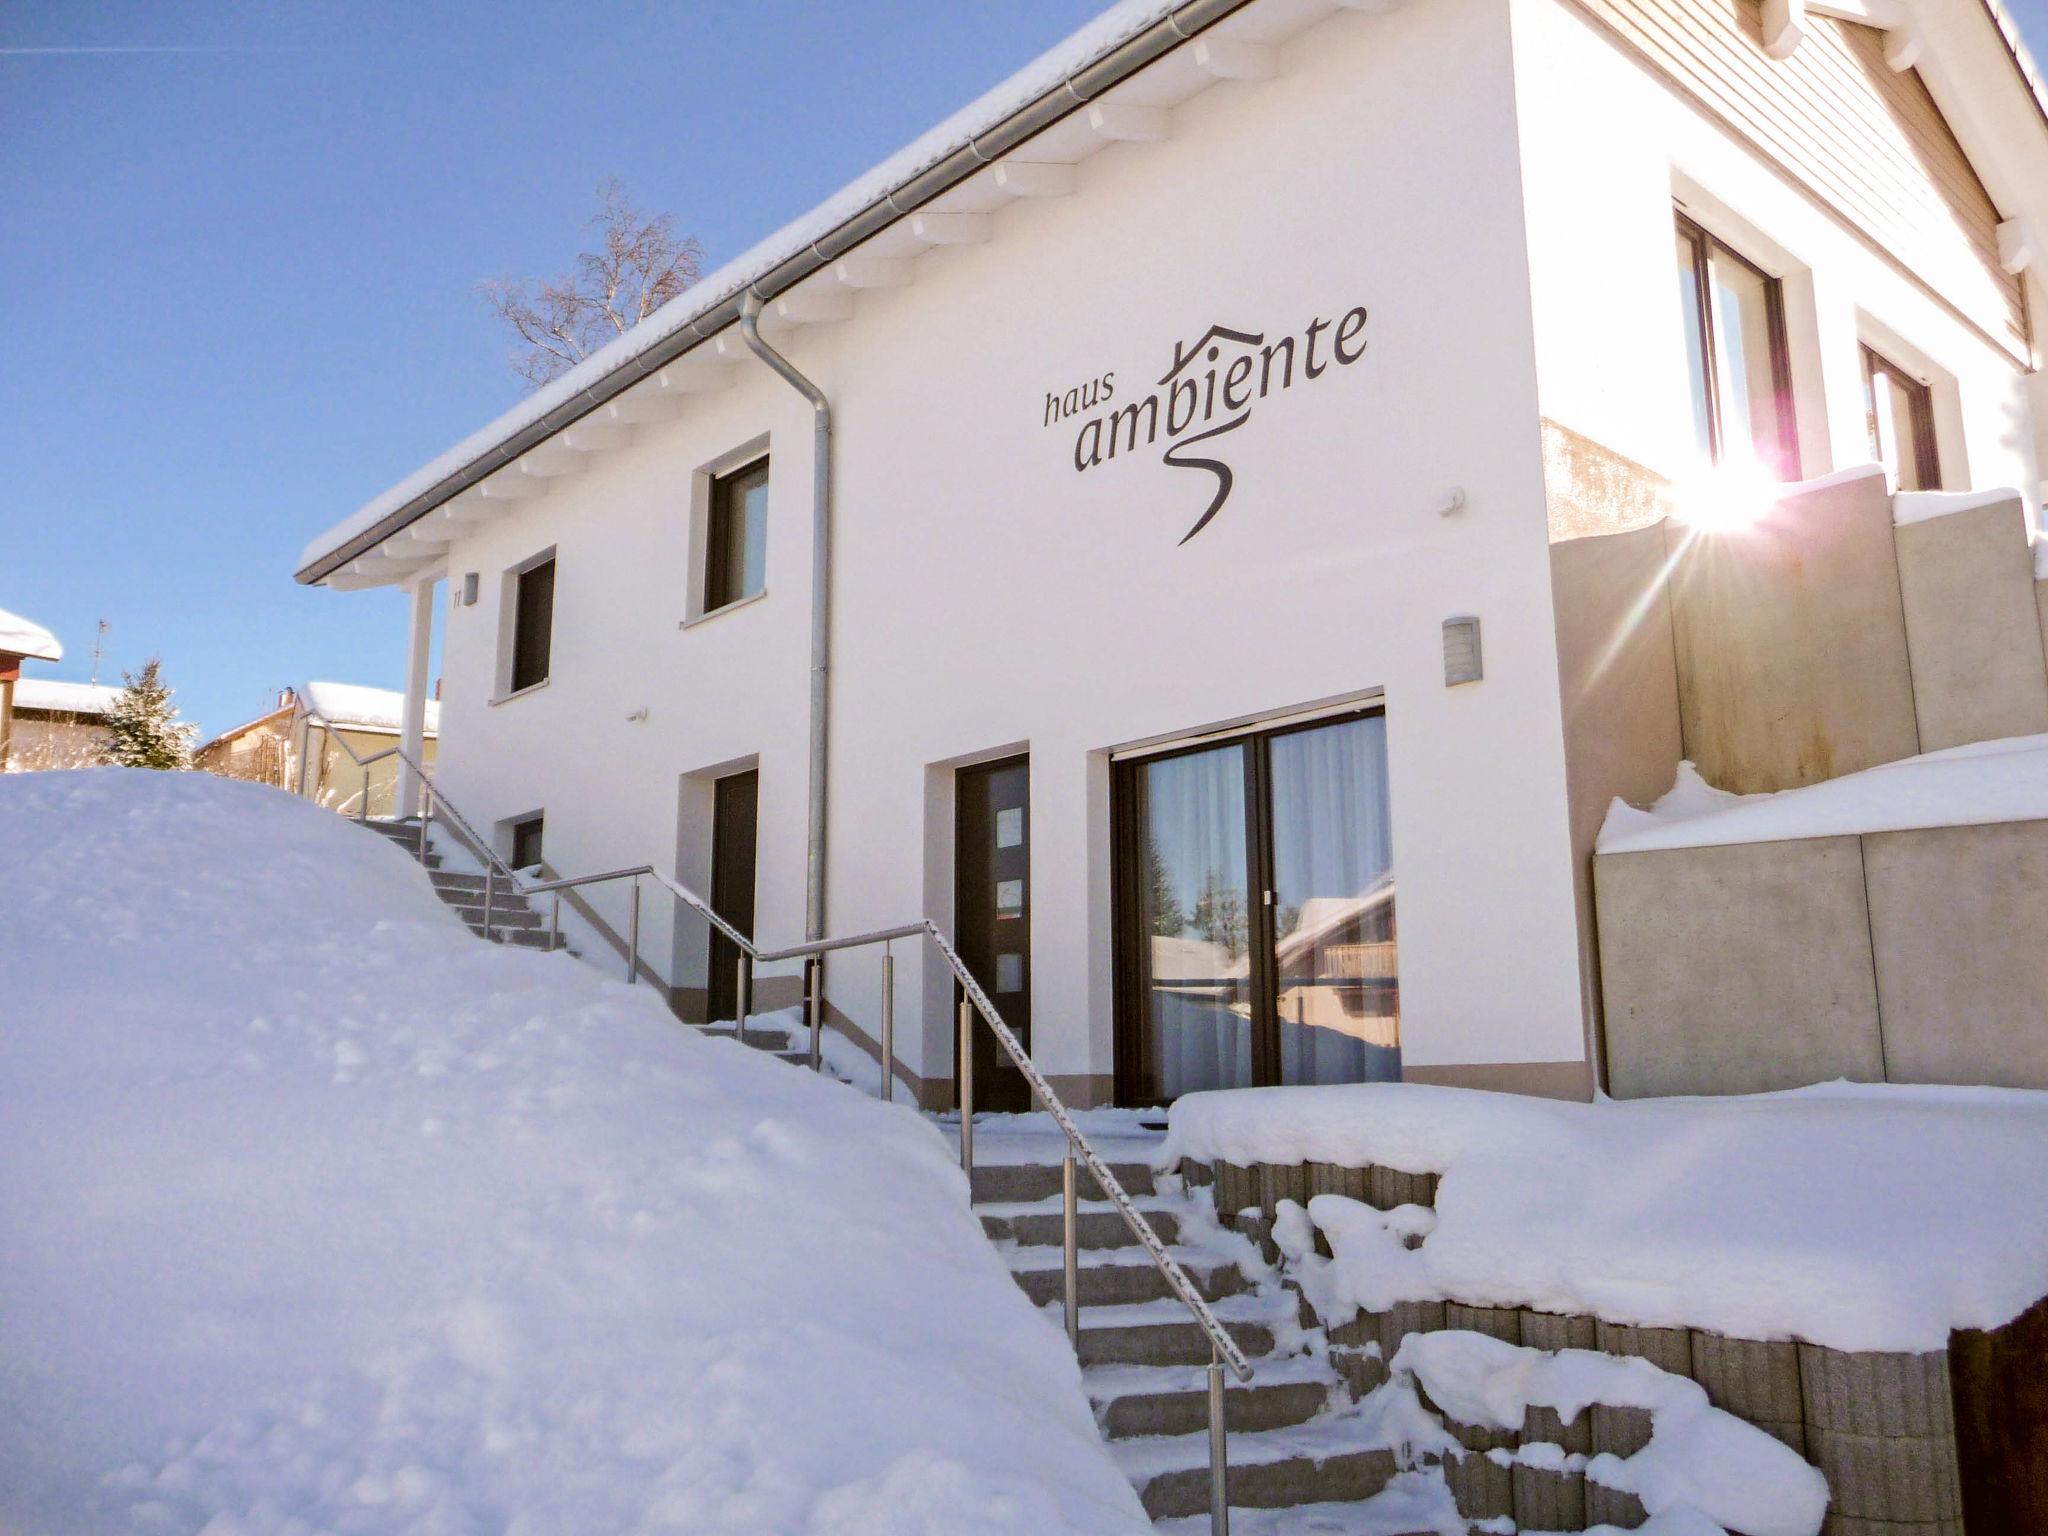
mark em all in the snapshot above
pixel 1168 917
pixel 1220 915
pixel 143 729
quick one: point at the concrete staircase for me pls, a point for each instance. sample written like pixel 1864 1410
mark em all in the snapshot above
pixel 1143 1358
pixel 513 920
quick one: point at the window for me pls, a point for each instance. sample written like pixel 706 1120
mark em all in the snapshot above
pixel 1741 374
pixel 1900 413
pixel 736 551
pixel 526 836
pixel 533 624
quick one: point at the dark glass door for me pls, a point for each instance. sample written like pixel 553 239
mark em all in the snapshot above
pixel 992 915
pixel 1255 899
pixel 735 801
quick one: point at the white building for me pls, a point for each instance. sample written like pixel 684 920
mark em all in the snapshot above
pixel 1188 395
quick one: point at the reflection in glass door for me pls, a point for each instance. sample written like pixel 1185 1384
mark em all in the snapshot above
pixel 1256 935
pixel 1336 999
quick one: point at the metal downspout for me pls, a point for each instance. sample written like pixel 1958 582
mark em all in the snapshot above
pixel 821 602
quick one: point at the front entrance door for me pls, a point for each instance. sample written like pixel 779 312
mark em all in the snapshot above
pixel 992 915
pixel 734 801
pixel 1255 899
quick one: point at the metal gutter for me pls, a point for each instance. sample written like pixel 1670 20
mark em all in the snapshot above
pixel 821 605
pixel 1075 91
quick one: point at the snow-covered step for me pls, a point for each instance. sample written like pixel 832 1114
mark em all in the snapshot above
pixel 1326 1460
pixel 1008 1183
pixel 1162 1333
pixel 1134 1400
pixel 1112 1276
pixel 1098 1223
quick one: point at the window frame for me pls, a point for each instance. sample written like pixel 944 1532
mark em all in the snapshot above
pixel 725 508
pixel 1705 246
pixel 511 627
pixel 1926 445
pixel 519 828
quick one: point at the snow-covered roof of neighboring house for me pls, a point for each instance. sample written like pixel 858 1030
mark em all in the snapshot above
pixel 25 637
pixel 1985 781
pixel 369 709
pixel 63 698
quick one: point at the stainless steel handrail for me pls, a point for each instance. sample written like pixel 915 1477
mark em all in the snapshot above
pixel 1223 1349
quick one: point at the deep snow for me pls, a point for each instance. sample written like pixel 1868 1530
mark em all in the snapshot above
pixel 1855 1216
pixel 322 1215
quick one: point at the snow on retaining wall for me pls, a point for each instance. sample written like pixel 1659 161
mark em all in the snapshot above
pixel 1876 1217
pixel 1986 781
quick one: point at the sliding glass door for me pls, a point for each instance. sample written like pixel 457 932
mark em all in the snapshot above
pixel 1256 939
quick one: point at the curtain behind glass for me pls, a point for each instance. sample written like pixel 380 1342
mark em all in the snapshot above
pixel 1195 909
pixel 1337 983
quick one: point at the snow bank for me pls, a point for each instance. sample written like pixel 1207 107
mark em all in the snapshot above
pixel 377 709
pixel 323 1216
pixel 1985 781
pixel 1699 1461
pixel 1117 24
pixel 25 637
pixel 1859 1217
pixel 70 698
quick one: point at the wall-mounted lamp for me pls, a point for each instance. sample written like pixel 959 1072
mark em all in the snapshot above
pixel 1462 662
pixel 469 589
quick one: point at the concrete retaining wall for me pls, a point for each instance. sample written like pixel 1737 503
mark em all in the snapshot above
pixel 1882 1427
pixel 1894 956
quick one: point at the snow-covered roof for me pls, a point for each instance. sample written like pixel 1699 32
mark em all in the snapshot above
pixel 68 698
pixel 25 637
pixel 370 709
pixel 1986 781
pixel 1063 61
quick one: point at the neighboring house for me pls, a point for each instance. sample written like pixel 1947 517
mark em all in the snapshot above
pixel 1199 400
pixel 305 743
pixel 58 725
pixel 20 640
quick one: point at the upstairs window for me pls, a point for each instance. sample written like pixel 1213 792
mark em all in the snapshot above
pixel 533 624
pixel 736 549
pixel 1900 412
pixel 1741 374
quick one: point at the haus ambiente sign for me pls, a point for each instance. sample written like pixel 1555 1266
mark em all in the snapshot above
pixel 1212 388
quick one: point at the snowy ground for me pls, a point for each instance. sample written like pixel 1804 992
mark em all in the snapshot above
pixel 323 1216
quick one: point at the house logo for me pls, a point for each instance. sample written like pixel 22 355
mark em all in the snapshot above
pixel 1215 383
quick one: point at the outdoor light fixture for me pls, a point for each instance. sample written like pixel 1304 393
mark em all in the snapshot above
pixel 469 589
pixel 1461 651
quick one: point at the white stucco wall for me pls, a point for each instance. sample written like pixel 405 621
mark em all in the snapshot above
pixel 989 598
pixel 1607 148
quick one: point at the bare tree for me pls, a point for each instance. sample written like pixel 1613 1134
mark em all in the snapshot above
pixel 640 264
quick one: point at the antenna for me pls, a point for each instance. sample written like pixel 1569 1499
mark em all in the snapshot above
pixel 98 644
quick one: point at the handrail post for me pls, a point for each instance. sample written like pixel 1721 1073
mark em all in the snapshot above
pixel 1219 1452
pixel 814 1000
pixel 489 882
pixel 888 1025
pixel 633 938
pixel 363 810
pixel 426 816
pixel 967 1092
pixel 1070 1234
pixel 743 991
pixel 555 924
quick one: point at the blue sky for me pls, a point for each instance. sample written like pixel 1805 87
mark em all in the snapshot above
pixel 236 278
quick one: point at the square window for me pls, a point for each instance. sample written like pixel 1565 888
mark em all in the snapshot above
pixel 736 547
pixel 526 842
pixel 533 625
pixel 1899 411
pixel 1740 371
